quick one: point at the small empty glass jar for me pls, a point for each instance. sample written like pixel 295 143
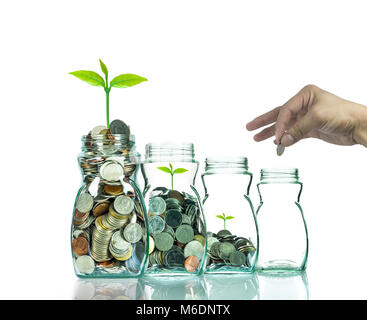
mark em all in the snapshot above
pixel 230 217
pixel 176 223
pixel 282 226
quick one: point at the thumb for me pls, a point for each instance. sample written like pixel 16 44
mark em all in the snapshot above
pixel 299 130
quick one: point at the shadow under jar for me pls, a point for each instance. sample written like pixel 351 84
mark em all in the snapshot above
pixel 108 229
pixel 283 229
pixel 176 223
pixel 232 243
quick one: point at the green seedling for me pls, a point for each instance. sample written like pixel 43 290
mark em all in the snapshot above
pixel 172 172
pixel 121 81
pixel 224 218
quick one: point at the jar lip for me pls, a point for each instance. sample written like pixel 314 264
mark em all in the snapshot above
pixel 228 163
pixel 107 144
pixel 286 170
pixel 119 136
pixel 169 151
pixel 279 175
pixel 170 144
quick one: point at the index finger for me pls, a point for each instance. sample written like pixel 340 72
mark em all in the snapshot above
pixel 263 120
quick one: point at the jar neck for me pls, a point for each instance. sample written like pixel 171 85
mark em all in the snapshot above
pixel 235 165
pixel 108 144
pixel 169 152
pixel 286 175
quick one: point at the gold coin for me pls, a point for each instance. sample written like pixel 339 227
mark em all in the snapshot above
pixel 114 214
pixel 99 221
pixel 126 256
pixel 151 244
pixel 200 238
pixel 113 190
pixel 160 257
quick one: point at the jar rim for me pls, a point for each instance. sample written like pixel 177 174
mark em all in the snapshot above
pixel 279 175
pixel 169 151
pixel 226 163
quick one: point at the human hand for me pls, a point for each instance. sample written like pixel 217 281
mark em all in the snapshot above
pixel 315 113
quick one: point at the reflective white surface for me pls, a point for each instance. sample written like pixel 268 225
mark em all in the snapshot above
pixel 215 74
pixel 206 287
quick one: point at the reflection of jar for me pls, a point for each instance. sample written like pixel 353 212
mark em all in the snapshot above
pixel 176 222
pixel 234 287
pixel 284 286
pixel 283 230
pixel 108 230
pixel 178 288
pixel 107 289
pixel 231 222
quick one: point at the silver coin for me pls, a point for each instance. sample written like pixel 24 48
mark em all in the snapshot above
pixel 85 264
pixel 169 230
pixel 85 202
pixel 194 248
pixel 163 241
pixel 87 222
pixel 119 127
pixel 157 205
pixel 186 219
pixel 210 241
pixel 79 232
pixel 96 131
pixel 119 243
pixel 120 160
pixel 156 225
pixel 123 205
pixel 280 149
pixel 133 232
pixel 111 171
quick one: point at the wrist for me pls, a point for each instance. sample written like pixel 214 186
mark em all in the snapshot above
pixel 360 131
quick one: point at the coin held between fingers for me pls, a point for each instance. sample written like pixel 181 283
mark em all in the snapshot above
pixel 280 149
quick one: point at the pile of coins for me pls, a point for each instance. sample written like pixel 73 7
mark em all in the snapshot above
pixel 108 224
pixel 226 249
pixel 99 145
pixel 176 239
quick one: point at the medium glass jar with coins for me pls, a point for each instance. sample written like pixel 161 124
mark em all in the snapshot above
pixel 176 223
pixel 108 231
pixel 283 229
pixel 232 243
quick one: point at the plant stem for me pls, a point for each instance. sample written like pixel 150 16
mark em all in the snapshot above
pixel 224 223
pixel 107 108
pixel 172 180
pixel 107 89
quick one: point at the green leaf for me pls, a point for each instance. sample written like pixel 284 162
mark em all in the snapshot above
pixel 103 67
pixel 220 217
pixel 164 169
pixel 90 77
pixel 126 80
pixel 180 170
pixel 170 165
pixel 229 218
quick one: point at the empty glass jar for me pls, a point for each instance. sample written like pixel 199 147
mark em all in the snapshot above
pixel 176 223
pixel 282 226
pixel 231 222
pixel 108 229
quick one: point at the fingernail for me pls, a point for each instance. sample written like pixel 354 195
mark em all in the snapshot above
pixel 287 140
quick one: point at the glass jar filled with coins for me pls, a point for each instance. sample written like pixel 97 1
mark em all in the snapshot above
pixel 108 232
pixel 232 242
pixel 177 242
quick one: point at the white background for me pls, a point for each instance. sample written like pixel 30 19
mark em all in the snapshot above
pixel 212 67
